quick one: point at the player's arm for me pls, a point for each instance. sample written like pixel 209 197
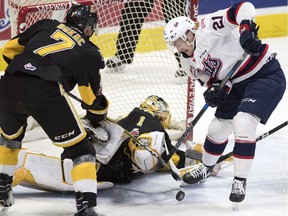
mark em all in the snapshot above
pixel 89 82
pixel 239 12
pixel 90 89
pixel 17 44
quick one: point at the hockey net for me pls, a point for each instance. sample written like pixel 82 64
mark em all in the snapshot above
pixel 153 68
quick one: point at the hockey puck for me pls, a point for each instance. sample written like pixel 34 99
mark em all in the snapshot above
pixel 180 195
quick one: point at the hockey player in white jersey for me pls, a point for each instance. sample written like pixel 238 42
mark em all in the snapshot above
pixel 210 48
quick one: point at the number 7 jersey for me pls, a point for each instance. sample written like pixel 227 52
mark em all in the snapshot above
pixel 55 52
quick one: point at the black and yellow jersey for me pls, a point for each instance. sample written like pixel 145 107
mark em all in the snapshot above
pixel 140 121
pixel 57 52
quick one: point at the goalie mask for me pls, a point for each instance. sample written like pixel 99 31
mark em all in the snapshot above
pixel 177 28
pixel 81 17
pixel 159 108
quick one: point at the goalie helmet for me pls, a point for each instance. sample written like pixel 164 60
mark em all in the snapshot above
pixel 157 107
pixel 81 17
pixel 178 28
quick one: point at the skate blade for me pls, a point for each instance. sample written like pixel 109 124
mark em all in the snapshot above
pixel 3 211
pixel 235 206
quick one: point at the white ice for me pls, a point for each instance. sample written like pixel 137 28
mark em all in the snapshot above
pixel 154 194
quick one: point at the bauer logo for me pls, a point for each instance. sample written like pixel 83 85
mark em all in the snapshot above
pixel 30 67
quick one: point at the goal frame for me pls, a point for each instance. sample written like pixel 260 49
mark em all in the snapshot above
pixel 64 5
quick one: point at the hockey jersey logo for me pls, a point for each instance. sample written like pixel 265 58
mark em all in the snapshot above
pixel 135 132
pixel 30 67
pixel 212 66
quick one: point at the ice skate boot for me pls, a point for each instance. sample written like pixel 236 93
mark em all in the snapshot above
pixel 116 64
pixel 199 173
pixel 6 195
pixel 84 208
pixel 238 190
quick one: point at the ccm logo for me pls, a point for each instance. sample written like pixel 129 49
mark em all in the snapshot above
pixel 249 100
pixel 64 136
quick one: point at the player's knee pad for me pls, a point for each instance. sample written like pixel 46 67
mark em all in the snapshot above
pixel 12 144
pixel 245 126
pixel 82 148
pixel 220 129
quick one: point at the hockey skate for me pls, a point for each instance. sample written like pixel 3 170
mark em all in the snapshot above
pixel 199 173
pixel 115 64
pixel 238 191
pixel 84 208
pixel 6 195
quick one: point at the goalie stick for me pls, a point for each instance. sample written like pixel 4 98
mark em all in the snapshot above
pixel 178 173
pixel 159 158
pixel 202 111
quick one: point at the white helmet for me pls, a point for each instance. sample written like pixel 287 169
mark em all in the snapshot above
pixel 177 28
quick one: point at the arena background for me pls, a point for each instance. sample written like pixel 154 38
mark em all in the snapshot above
pixel 271 16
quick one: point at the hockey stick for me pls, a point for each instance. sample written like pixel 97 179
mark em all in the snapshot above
pixel 178 173
pixel 196 155
pixel 268 133
pixel 159 158
pixel 202 111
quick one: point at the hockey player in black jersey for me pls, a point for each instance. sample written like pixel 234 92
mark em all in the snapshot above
pixel 45 62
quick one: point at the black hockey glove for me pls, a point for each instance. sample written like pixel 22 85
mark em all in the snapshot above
pixel 215 98
pixel 249 38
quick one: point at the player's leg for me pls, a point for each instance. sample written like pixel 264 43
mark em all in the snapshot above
pixel 56 115
pixel 262 94
pixel 12 129
pixel 215 143
pixel 132 18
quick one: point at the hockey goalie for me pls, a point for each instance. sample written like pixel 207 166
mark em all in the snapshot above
pixel 120 160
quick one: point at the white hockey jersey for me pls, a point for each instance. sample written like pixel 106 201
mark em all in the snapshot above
pixel 218 47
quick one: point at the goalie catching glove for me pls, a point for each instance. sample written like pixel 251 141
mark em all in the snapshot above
pixel 96 133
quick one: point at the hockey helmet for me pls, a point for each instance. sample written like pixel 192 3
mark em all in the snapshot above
pixel 157 107
pixel 178 28
pixel 81 16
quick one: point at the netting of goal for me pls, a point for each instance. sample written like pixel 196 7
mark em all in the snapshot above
pixel 152 71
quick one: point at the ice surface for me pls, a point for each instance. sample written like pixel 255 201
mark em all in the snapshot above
pixel 154 194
